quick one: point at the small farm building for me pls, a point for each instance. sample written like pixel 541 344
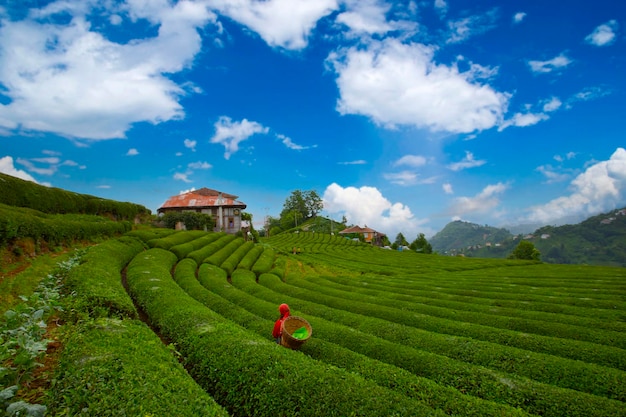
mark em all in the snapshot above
pixel 223 208
pixel 369 235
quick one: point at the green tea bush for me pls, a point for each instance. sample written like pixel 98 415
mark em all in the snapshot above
pixel 265 262
pixel 251 257
pixel 204 252
pixel 176 239
pixel 101 374
pixel 221 255
pixel 95 286
pixel 184 249
pixel 231 263
pixel 247 374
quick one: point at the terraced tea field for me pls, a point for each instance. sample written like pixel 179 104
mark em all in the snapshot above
pixel 394 333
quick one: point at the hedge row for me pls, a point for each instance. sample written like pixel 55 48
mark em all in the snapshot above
pixel 148 234
pixel 113 367
pixel 223 253
pixel 434 298
pixel 184 249
pixel 95 285
pixel 248 374
pixel 176 239
pixel 265 262
pixel 201 254
pixel 20 223
pixel 533 397
pixel 251 257
pixel 446 321
pixel 210 288
pixel 20 193
pixel 232 262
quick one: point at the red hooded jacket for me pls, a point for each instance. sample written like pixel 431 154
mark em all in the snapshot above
pixel 278 325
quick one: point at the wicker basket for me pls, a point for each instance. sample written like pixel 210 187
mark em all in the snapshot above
pixel 290 325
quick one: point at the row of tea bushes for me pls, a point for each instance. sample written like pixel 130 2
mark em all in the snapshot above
pixel 95 286
pixel 21 193
pixel 176 239
pixel 446 320
pixel 113 367
pixel 184 249
pixel 532 396
pixel 211 289
pixel 113 364
pixel 55 229
pixel 248 374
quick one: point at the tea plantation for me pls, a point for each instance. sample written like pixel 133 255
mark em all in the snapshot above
pixel 159 323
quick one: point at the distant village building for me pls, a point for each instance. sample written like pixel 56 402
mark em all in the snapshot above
pixel 223 208
pixel 369 235
pixel 545 236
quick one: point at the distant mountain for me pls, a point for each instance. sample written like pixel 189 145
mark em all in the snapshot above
pixel 459 235
pixel 598 240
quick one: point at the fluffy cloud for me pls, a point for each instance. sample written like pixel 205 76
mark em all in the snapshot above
pixel 602 187
pixel 411 161
pixel 68 79
pixel 132 152
pixel 280 23
pixel 518 17
pixel 484 202
pixel 367 206
pixel 231 134
pixel 550 65
pixel 604 34
pixel 7 167
pixel 396 83
pixel 467 162
pixel 462 29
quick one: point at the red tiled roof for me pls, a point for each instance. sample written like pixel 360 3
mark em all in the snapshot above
pixel 204 197
pixel 359 229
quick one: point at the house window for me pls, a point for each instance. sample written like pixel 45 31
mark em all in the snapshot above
pixel 231 222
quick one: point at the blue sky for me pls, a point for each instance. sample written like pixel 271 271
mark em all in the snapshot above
pixel 402 115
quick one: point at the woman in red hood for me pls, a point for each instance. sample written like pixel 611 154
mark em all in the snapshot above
pixel 277 333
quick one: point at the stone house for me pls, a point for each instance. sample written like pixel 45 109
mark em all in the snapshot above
pixel 224 209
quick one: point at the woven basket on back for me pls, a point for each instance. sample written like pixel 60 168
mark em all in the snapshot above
pixel 290 325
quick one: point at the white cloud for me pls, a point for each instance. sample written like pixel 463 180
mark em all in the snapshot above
pixel 230 133
pixel 401 178
pixel 467 162
pixel 411 161
pixel 104 187
pixel 190 144
pixel 395 83
pixel 518 17
pixel 182 177
pixel 132 152
pixel 200 165
pixel 462 29
pixel 367 206
pixel 542 67
pixel 483 202
pixel 523 120
pixel 280 23
pixel 291 145
pixel 552 174
pixel 356 162
pixel 365 17
pixel 602 187
pixel 69 79
pixel 441 6
pixel 7 167
pixel 447 188
pixel 553 104
pixel 604 34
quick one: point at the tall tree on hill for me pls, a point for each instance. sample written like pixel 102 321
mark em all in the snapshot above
pixel 299 207
pixel 420 244
pixel 400 241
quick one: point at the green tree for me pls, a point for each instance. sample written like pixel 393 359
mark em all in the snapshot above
pixel 299 207
pixel 420 244
pixel 400 241
pixel 191 220
pixel 525 250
